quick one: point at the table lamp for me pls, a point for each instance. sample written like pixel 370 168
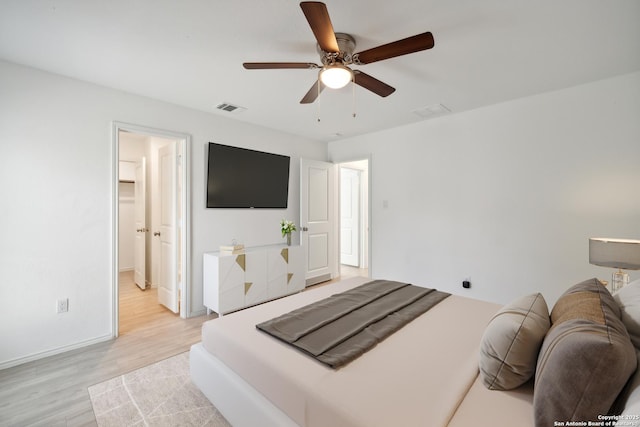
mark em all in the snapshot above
pixel 615 253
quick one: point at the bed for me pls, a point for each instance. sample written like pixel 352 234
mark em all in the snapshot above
pixel 427 373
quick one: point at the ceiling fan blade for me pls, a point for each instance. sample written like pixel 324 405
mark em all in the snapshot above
pixel 373 84
pixel 313 93
pixel 278 65
pixel 412 44
pixel 318 17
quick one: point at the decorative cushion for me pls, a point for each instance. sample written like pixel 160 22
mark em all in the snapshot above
pixel 586 357
pixel 511 342
pixel 628 299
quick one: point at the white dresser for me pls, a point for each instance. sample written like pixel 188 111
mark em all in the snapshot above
pixel 258 274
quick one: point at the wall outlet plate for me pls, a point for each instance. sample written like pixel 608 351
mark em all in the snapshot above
pixel 63 305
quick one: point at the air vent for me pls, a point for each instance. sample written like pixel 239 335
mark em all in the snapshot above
pixel 230 108
pixel 431 111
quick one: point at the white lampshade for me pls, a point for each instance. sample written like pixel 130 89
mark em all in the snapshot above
pixel 615 253
pixel 336 76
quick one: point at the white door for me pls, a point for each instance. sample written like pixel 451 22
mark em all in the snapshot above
pixel 350 217
pixel 168 281
pixel 317 220
pixel 139 207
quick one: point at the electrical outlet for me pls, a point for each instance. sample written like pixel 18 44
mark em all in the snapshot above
pixel 63 305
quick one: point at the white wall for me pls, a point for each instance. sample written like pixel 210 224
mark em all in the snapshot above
pixel 55 217
pixel 507 195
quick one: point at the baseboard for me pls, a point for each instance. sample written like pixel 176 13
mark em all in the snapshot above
pixel 197 313
pixel 53 352
pixel 318 279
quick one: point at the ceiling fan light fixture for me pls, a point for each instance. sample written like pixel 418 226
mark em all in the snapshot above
pixel 336 76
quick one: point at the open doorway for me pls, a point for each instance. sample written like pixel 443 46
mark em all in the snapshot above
pixel 354 218
pixel 150 223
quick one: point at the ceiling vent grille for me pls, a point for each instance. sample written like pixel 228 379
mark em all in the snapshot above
pixel 230 108
pixel 431 111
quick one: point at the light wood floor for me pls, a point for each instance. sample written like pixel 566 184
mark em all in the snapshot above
pixel 347 271
pixel 53 391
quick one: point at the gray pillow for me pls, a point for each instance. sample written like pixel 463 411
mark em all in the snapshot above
pixel 585 359
pixel 511 342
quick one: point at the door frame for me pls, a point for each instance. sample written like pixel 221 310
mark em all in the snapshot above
pixel 139 248
pixel 184 148
pixel 357 232
pixel 368 207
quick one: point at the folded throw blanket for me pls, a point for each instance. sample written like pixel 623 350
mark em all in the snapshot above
pixel 338 329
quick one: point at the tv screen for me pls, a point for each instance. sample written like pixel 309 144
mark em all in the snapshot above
pixel 242 178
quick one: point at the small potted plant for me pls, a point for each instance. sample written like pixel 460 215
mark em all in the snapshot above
pixel 287 227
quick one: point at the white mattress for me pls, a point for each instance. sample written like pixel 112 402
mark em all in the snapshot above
pixel 416 377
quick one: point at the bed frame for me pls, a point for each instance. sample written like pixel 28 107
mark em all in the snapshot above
pixel 251 377
pixel 238 401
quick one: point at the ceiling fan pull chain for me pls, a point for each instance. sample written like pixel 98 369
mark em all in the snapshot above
pixel 318 103
pixel 353 85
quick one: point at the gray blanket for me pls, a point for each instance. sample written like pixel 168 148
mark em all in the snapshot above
pixel 344 326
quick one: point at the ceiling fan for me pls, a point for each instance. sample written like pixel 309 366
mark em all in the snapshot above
pixel 336 54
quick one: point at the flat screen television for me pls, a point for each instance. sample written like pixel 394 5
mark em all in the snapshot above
pixel 243 178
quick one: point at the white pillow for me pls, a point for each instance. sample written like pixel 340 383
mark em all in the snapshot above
pixel 630 396
pixel 628 298
pixel 511 342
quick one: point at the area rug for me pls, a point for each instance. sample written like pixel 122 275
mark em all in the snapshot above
pixel 161 394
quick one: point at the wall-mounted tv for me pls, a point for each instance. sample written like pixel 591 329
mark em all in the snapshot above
pixel 243 178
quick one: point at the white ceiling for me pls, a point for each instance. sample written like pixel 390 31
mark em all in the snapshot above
pixel 191 53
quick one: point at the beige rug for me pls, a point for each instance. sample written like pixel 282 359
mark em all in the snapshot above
pixel 156 395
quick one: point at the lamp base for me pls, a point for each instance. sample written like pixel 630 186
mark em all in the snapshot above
pixel 618 280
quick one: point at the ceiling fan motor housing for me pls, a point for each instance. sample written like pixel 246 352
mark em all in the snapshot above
pixel 346 44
